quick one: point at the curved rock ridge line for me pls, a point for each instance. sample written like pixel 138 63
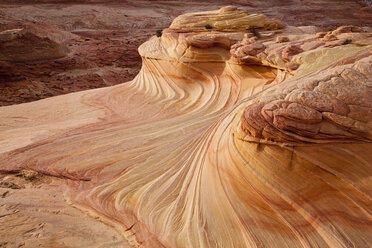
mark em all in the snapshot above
pixel 331 106
pixel 190 32
pixel 226 19
pixel 241 141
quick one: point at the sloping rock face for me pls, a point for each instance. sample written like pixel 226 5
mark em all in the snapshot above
pixel 255 136
pixel 18 45
pixel 103 36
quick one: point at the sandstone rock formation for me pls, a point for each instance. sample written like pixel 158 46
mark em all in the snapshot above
pixel 19 45
pixel 34 213
pixel 227 19
pixel 103 35
pixel 226 138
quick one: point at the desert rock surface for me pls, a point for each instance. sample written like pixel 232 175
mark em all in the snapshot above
pixel 103 37
pixel 34 213
pixel 239 131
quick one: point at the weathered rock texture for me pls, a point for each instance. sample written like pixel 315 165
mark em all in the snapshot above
pixel 255 137
pixel 18 45
pixel 103 36
pixel 34 213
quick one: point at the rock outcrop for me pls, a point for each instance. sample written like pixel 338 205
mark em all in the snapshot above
pixel 103 35
pixel 19 45
pixel 230 136
pixel 227 19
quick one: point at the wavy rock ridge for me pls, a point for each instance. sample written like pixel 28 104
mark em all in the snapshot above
pixel 247 134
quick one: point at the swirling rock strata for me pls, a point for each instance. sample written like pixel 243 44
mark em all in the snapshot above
pixel 325 107
pixel 220 140
pixel 226 19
